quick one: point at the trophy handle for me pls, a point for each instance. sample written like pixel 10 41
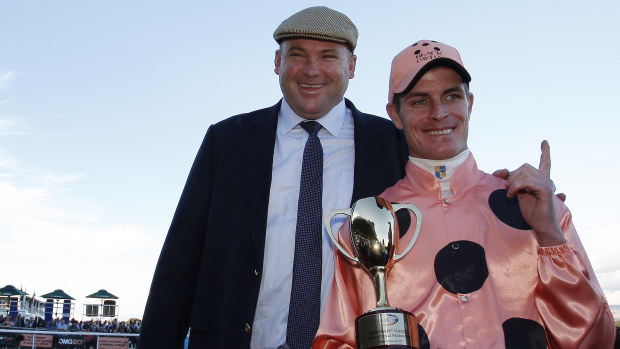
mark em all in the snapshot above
pixel 328 226
pixel 418 226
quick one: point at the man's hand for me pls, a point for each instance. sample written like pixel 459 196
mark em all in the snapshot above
pixel 504 174
pixel 534 189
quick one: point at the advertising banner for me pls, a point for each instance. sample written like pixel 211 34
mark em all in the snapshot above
pixel 113 343
pixel 49 309
pixel 13 308
pixel 66 310
pixel 70 342
pixel 8 340
pixel 40 340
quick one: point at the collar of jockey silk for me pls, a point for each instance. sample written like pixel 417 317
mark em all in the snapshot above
pixel 442 169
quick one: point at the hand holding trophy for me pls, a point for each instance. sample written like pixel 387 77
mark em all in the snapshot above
pixel 374 237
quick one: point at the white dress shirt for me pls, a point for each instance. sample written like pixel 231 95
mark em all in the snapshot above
pixel 336 136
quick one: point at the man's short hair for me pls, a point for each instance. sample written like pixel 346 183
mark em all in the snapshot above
pixel 399 96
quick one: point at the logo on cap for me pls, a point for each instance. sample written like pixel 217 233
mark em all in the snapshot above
pixel 429 55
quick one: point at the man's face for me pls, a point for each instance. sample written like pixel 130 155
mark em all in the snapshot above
pixel 314 75
pixel 435 115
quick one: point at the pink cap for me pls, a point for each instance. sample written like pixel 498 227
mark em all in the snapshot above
pixel 411 63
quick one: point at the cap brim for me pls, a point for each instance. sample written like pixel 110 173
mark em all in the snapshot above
pixel 438 62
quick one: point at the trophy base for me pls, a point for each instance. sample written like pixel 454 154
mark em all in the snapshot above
pixel 386 328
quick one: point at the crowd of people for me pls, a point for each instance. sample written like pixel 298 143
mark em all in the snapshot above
pixel 73 325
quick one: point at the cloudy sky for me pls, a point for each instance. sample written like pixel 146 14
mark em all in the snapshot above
pixel 103 106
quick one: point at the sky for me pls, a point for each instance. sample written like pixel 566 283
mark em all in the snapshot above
pixel 103 105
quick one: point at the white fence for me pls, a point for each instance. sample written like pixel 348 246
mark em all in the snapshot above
pixel 22 339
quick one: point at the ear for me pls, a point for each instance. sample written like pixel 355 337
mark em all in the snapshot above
pixel 277 61
pixel 471 103
pixel 393 113
pixel 352 62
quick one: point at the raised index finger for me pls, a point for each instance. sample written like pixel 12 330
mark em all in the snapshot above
pixel 545 159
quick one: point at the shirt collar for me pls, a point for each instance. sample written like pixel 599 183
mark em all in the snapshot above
pixel 333 121
pixel 448 165
pixel 442 169
pixel 424 183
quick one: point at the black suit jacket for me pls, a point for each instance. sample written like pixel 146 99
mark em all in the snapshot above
pixel 209 271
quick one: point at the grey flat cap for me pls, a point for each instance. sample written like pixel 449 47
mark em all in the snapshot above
pixel 320 23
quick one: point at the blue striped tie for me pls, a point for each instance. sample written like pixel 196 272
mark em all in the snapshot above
pixel 305 307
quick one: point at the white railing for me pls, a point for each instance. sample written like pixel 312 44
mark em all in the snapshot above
pixel 64 339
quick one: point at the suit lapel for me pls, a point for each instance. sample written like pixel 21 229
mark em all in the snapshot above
pixel 260 140
pixel 366 153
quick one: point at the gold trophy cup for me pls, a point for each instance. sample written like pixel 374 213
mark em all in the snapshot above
pixel 374 237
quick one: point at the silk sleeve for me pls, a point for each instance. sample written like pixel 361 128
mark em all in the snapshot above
pixel 568 296
pixel 337 328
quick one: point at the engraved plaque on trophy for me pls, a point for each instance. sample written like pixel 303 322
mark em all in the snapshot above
pixel 374 238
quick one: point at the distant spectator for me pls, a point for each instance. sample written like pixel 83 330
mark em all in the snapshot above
pixel 108 326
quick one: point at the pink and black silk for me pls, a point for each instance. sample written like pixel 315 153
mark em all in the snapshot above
pixel 476 277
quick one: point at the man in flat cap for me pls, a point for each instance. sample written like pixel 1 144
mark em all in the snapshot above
pixel 247 237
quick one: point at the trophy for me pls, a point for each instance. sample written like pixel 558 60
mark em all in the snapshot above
pixel 374 237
